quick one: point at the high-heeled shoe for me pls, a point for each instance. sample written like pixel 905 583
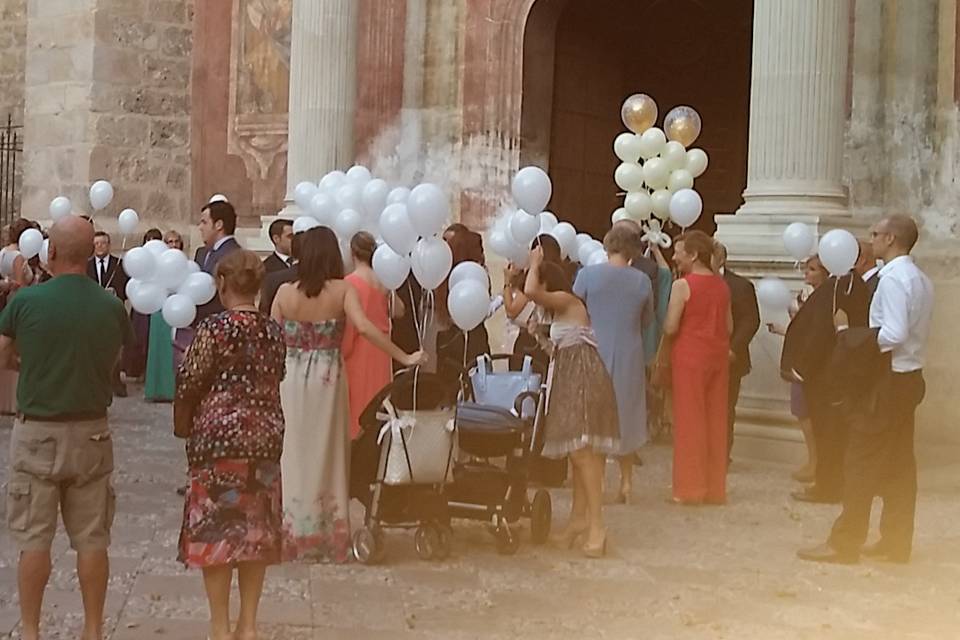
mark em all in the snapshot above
pixel 596 551
pixel 567 538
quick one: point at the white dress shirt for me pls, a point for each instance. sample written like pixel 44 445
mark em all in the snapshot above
pixel 285 258
pixel 219 243
pixel 870 273
pixel 901 309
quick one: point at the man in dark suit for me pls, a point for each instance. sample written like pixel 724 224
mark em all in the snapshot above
pixel 107 271
pixel 746 323
pixel 281 234
pixel 218 223
pixel 272 281
pixel 867 268
pixel 808 349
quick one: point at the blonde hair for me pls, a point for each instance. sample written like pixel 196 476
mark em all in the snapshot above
pixel 242 272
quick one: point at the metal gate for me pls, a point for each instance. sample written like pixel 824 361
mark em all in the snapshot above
pixel 11 146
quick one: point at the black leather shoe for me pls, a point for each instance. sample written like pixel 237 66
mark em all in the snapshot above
pixel 811 494
pixel 882 552
pixel 826 553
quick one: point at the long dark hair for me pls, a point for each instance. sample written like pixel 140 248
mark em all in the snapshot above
pixel 554 278
pixel 319 260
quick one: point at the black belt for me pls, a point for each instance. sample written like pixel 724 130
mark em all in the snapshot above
pixel 79 416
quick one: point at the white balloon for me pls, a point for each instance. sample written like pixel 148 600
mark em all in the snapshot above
pixel 679 180
pixel 148 298
pixel 397 231
pixel 547 221
pixel 302 194
pixel 199 287
pixel 399 195
pixel 131 289
pixel 697 162
pixel 359 175
pixel 524 227
pixel 179 311
pixel 587 250
pixel 193 267
pixel 139 263
pixel 323 208
pixel 333 181
pixel 45 251
pixel 347 224
pixel 656 174
pixel 350 196
pixel 217 197
pixel 583 238
pixel 500 243
pixel 101 194
pixel 566 237
pixel 468 303
pixel 128 221
pixel 799 240
pixel 652 142
pixel 59 207
pixel 639 205
pixel 627 147
pixel 391 268
pixel 619 214
pixel 685 207
pixel 428 208
pixel 532 189
pixel 172 268
pixel 661 203
pixel 304 223
pixel 31 241
pixel 431 261
pixel 838 251
pixel 675 155
pixel 629 176
pixel 598 257
pixel 469 271
pixel 374 197
pixel 156 247
pixel 773 295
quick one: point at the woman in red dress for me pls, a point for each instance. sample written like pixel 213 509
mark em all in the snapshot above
pixel 698 324
pixel 368 368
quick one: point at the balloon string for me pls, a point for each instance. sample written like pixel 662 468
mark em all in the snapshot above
pixel 414 303
pixel 465 345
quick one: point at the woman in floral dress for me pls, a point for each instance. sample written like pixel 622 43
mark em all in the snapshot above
pixel 316 448
pixel 230 380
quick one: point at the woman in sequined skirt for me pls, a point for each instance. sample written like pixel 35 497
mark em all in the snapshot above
pixel 581 419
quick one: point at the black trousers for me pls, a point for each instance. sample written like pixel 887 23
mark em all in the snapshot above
pixel 830 431
pixel 733 395
pixel 880 462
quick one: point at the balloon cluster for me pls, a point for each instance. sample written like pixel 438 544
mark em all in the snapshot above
pixel 165 280
pixel 658 167
pixel 515 228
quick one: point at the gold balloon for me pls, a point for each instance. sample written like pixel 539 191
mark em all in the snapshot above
pixel 639 112
pixel 683 124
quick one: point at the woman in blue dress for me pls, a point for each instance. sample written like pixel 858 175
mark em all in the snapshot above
pixel 619 299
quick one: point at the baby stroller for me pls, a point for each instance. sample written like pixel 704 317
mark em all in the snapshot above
pixel 401 462
pixel 499 434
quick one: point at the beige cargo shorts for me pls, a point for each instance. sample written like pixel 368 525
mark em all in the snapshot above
pixel 63 466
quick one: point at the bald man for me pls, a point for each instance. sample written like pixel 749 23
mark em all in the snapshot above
pixel 65 337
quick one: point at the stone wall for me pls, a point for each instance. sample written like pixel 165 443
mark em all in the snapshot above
pixel 13 42
pixel 108 96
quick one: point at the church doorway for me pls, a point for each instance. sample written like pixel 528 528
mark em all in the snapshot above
pixel 583 57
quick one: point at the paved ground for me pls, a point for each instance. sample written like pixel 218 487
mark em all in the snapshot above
pixel 673 572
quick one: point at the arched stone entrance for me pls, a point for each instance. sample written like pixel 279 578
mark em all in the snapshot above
pixel 548 76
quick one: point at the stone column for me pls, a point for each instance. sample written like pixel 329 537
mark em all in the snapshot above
pixel 798 118
pixel 323 89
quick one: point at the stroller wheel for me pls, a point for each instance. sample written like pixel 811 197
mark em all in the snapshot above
pixel 507 543
pixel 541 517
pixel 427 542
pixel 444 535
pixel 367 546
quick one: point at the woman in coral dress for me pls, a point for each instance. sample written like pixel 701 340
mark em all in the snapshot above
pixel 368 368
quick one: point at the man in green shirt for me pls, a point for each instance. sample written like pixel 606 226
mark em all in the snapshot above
pixel 65 337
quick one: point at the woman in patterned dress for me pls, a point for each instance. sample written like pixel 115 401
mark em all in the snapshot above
pixel 581 419
pixel 233 509
pixel 316 449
